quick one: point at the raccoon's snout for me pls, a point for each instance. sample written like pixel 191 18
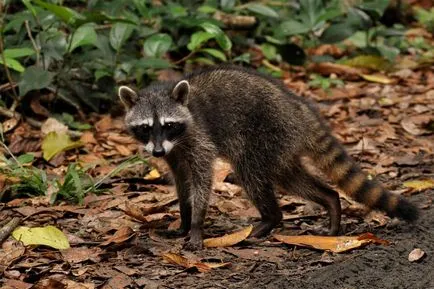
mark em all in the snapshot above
pixel 158 152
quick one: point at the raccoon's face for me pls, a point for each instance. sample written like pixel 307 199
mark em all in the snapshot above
pixel 158 115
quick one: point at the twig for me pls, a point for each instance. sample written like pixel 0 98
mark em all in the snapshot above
pixel 7 86
pixel 35 46
pixel 185 57
pixel 8 228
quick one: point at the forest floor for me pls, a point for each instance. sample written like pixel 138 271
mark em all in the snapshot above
pixel 387 128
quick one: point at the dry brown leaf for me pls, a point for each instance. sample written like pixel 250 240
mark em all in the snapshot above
pixel 415 124
pixel 416 255
pixel 16 284
pixel 104 124
pixel 327 68
pixel 336 244
pixel 80 254
pixel 123 150
pixel 88 138
pixel 9 124
pixel 121 235
pixel 53 125
pixel 188 263
pixel 228 240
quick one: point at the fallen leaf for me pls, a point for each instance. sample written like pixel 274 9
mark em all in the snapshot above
pixel 377 78
pixel 152 175
pixel 55 143
pixel 9 124
pixel 81 254
pixel 415 124
pixel 419 185
pixel 121 235
pixel 53 125
pixel 187 263
pixel 416 255
pixel 373 62
pixel 48 236
pixel 228 240
pixel 336 244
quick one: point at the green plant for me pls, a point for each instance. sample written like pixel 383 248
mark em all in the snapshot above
pixel 425 17
pixel 325 83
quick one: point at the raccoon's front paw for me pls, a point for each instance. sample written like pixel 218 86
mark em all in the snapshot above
pixel 195 243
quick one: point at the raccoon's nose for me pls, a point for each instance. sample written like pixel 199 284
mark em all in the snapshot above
pixel 158 152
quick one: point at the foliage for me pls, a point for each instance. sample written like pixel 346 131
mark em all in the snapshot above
pixel 426 18
pixel 73 186
pixel 83 51
pixel 324 83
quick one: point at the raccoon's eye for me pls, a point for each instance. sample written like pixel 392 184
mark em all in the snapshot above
pixel 141 130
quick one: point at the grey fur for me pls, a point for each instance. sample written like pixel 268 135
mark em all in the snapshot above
pixel 254 122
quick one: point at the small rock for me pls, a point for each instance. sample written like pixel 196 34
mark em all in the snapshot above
pixel 416 255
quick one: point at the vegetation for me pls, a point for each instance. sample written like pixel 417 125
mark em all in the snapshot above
pixel 71 55
pixel 81 50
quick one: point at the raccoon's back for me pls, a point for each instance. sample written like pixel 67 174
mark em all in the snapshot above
pixel 238 106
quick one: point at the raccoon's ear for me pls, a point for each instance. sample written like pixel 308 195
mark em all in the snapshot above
pixel 127 96
pixel 180 92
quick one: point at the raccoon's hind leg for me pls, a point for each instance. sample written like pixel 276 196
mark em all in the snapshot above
pixel 311 188
pixel 261 192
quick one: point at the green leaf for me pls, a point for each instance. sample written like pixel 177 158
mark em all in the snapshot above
pixel 216 53
pixel 67 15
pixel 157 44
pixel 34 77
pixel 376 6
pixel 120 33
pixel 227 4
pixel 13 64
pixel 198 38
pixel 153 63
pixel 84 35
pixel 338 32
pixel 211 28
pixel 55 143
pixel 26 158
pixel 18 52
pixel 262 10
pixel 206 9
pixel 224 42
pixel 293 27
pixel 269 51
pixel 29 7
pixel 48 236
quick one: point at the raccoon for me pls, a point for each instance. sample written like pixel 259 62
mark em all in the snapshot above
pixel 259 126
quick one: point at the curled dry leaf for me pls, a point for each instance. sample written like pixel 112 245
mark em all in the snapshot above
pixel 228 240
pixel 419 185
pixel 188 263
pixel 53 125
pixel 416 255
pixel 121 235
pixel 415 124
pixel 336 244
pixel 377 78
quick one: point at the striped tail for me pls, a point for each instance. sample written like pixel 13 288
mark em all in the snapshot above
pixel 348 176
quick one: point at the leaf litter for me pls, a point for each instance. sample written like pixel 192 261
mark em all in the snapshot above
pixel 387 127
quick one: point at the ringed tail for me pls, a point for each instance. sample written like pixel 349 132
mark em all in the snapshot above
pixel 348 176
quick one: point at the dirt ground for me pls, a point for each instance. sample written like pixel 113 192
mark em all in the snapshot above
pixel 281 266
